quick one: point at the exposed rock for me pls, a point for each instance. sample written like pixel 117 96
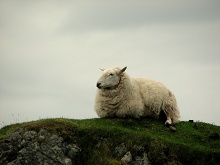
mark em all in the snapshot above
pixel 139 156
pixel 127 158
pixel 137 151
pixel 73 150
pixel 136 156
pixel 141 160
pixel 42 148
pixel 120 150
pixel 68 161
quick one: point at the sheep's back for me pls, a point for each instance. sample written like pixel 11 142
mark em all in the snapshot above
pixel 153 93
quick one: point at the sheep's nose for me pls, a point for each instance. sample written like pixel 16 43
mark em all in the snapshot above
pixel 98 84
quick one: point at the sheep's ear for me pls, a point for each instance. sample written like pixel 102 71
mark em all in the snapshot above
pixel 101 69
pixel 122 70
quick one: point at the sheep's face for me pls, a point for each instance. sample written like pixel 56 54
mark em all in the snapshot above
pixel 110 78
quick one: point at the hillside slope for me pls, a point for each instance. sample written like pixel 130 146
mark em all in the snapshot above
pixel 109 141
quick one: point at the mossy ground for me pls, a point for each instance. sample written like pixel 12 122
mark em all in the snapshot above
pixel 192 143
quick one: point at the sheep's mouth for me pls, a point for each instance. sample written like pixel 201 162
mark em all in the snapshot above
pixel 107 88
pixel 110 88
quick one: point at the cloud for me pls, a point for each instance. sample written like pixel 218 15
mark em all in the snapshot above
pixel 87 16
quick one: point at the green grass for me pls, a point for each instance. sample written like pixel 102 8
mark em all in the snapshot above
pixel 190 144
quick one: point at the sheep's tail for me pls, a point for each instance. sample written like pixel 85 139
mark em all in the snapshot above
pixel 171 108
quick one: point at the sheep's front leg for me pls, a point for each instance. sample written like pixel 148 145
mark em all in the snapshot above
pixel 168 121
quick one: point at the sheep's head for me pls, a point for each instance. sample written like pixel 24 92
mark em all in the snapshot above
pixel 110 78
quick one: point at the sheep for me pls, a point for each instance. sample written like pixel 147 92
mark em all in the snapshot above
pixel 118 95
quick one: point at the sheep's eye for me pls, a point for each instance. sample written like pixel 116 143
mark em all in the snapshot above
pixel 111 74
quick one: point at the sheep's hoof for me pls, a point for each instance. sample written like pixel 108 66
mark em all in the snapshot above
pixel 172 128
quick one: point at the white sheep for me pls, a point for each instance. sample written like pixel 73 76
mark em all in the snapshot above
pixel 118 95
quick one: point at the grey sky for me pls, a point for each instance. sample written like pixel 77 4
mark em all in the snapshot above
pixel 50 52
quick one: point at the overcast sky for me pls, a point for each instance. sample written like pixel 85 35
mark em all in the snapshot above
pixel 50 52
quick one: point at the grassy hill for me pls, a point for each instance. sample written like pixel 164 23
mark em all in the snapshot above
pixel 192 143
